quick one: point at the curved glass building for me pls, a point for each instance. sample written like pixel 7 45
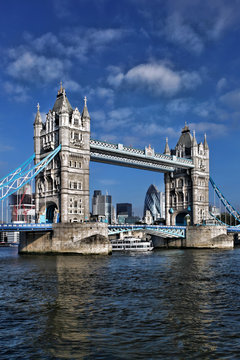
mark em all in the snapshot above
pixel 155 203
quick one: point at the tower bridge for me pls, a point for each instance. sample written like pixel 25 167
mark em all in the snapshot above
pixel 63 150
pixel 64 185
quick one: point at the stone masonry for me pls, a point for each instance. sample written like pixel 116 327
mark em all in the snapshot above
pixel 62 190
pixel 186 191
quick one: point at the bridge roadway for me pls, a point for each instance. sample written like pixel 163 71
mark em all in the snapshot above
pixel 118 154
pixel 166 231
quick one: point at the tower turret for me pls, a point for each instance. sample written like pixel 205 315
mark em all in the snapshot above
pixel 167 150
pixel 85 116
pixel 205 144
pixel 37 133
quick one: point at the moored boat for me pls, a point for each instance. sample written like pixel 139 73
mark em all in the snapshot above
pixel 131 244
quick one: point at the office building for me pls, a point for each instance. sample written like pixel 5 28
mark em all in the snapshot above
pixel 124 209
pixel 154 203
pixel 102 207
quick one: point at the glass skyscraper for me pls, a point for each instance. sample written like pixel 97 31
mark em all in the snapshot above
pixel 102 206
pixel 155 203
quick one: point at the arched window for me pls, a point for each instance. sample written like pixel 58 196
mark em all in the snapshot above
pixel 180 182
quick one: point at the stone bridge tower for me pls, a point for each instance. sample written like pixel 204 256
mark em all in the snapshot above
pixel 62 190
pixel 187 191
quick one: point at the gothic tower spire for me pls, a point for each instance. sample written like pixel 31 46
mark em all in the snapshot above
pixel 38 119
pixel 167 150
pixel 205 144
pixel 85 113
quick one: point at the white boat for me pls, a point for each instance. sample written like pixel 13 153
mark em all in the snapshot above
pixel 131 244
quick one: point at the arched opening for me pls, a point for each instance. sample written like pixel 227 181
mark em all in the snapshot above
pixel 50 183
pixel 183 219
pixel 50 213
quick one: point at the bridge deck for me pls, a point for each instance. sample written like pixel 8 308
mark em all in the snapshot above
pixel 147 159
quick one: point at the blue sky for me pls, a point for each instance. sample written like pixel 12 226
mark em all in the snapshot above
pixel 145 66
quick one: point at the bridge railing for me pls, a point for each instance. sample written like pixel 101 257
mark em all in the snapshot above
pixel 130 150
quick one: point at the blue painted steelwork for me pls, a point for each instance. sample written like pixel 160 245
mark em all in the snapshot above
pixel 233 229
pixel 25 176
pixel 15 173
pixel 225 202
pixel 25 227
pixel 218 220
pixel 173 231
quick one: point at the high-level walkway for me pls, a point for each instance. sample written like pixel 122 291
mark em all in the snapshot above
pixel 118 154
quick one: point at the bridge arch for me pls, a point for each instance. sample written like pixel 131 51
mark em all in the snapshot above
pixel 182 218
pixel 51 212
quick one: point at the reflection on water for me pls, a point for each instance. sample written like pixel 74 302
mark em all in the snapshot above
pixel 177 304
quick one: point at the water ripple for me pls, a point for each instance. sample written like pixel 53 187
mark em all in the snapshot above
pixel 178 304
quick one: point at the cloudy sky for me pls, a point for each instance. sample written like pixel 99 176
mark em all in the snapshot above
pixel 146 67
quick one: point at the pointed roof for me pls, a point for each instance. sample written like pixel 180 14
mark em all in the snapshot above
pixel 62 104
pixel 186 137
pixel 85 113
pixel 205 144
pixel 38 119
pixel 194 139
pixel 167 150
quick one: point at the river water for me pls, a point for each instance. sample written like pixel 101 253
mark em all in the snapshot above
pixel 171 304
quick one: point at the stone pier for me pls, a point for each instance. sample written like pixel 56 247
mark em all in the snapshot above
pixel 202 236
pixel 67 238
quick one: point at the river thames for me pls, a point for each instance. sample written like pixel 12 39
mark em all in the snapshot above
pixel 171 304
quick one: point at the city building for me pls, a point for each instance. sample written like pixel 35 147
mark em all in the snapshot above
pixel 214 210
pixel 124 212
pixel 148 219
pixel 22 204
pixel 154 203
pixel 124 209
pixel 102 207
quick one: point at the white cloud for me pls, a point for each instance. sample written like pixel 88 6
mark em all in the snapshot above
pixel 17 92
pixel 72 85
pixel 109 138
pixel 157 78
pixel 61 8
pixel 104 93
pixel 221 84
pixel 183 34
pixel 50 56
pixel 80 42
pixel 214 129
pixel 29 66
pixel 231 99
pixel 98 115
pixel 180 106
pixel 156 129
pixel 112 120
pixel 225 17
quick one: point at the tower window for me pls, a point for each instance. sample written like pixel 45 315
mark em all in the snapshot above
pixel 75 121
pixel 76 136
